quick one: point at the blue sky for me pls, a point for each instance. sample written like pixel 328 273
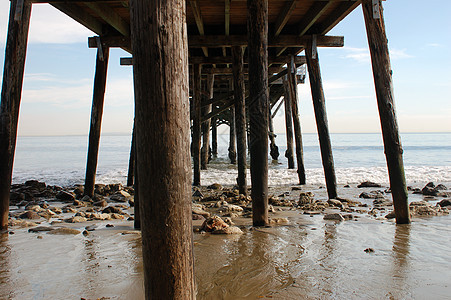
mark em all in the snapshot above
pixel 60 70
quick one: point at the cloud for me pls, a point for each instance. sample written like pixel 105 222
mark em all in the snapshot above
pixel 362 55
pixel 48 25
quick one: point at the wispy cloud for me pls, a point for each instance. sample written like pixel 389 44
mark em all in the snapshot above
pixel 362 55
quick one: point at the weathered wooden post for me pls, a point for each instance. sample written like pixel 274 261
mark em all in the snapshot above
pixel 137 212
pixel 96 119
pixel 196 123
pixel 240 115
pixel 206 125
pixel 382 73
pixel 232 141
pixel 160 67
pixel 131 161
pixel 214 137
pixel 319 106
pixel 257 30
pixel 293 86
pixel 15 53
pixel 274 150
pixel 288 124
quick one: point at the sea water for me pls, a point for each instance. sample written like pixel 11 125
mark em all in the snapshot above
pixel 61 160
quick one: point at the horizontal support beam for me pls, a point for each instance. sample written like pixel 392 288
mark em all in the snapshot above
pixel 298 60
pixel 218 41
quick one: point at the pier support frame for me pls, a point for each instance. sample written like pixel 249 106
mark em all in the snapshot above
pixel 96 119
pixel 160 67
pixel 214 137
pixel 196 123
pixel 240 116
pixel 13 72
pixel 293 87
pixel 288 124
pixel 257 24
pixel 131 161
pixel 382 73
pixel 319 105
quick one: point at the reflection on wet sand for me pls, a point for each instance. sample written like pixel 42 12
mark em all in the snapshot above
pixel 6 292
pixel 400 266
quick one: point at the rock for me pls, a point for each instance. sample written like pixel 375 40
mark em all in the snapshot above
pixel 214 223
pixel 382 202
pixel 31 215
pixel 228 220
pixel 46 214
pixel 64 230
pixel 131 202
pixel 215 186
pixel 34 207
pixel 197 217
pixel 21 223
pixel 85 232
pixel 16 196
pixel 368 184
pixel 198 194
pixel 86 198
pixel 99 216
pixel 296 188
pixel 441 187
pixel 101 203
pixel 372 195
pixel 76 219
pixel 112 209
pixel 79 203
pixel 40 229
pixel 56 210
pixel 369 250
pixel 274 221
pixel 228 230
pixel 271 209
pixel 232 207
pixel 305 198
pixel 334 202
pixel 444 202
pixel 109 225
pixel 69 209
pixel 390 215
pixel 79 191
pixel 117 216
pixel 334 217
pixel 91 227
pixel 65 196
pixel 429 191
pixel 120 196
pixel 35 184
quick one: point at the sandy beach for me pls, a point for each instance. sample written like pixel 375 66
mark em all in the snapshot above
pixel 301 256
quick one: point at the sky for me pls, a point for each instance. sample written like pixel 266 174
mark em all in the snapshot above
pixel 59 74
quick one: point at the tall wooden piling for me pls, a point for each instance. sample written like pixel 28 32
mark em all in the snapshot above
pixel 274 150
pixel 131 161
pixel 319 106
pixel 240 116
pixel 288 124
pixel 382 73
pixel 96 119
pixel 293 87
pixel 160 67
pixel 257 25
pixel 205 151
pixel 214 137
pixel 232 140
pixel 137 212
pixel 15 53
pixel 196 129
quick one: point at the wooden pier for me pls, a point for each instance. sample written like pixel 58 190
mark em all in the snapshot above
pixel 240 57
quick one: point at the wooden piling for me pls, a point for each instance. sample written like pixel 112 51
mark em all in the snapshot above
pixel 240 116
pixel 293 86
pixel 257 24
pixel 196 128
pixel 206 125
pixel 214 137
pixel 232 141
pixel 96 119
pixel 137 212
pixel 274 150
pixel 131 161
pixel 319 106
pixel 13 71
pixel 382 73
pixel 160 67
pixel 288 124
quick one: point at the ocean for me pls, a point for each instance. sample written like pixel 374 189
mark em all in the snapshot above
pixel 61 160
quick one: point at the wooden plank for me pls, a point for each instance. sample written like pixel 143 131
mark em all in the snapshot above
pixel 199 22
pixel 110 17
pixel 258 106
pixel 383 81
pixel 338 14
pixel 81 16
pixel 319 106
pixel 15 52
pixel 218 41
pixel 284 15
pixel 162 131
pixel 96 119
pixel 299 60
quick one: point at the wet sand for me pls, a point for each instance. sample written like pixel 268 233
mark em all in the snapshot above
pixel 308 258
